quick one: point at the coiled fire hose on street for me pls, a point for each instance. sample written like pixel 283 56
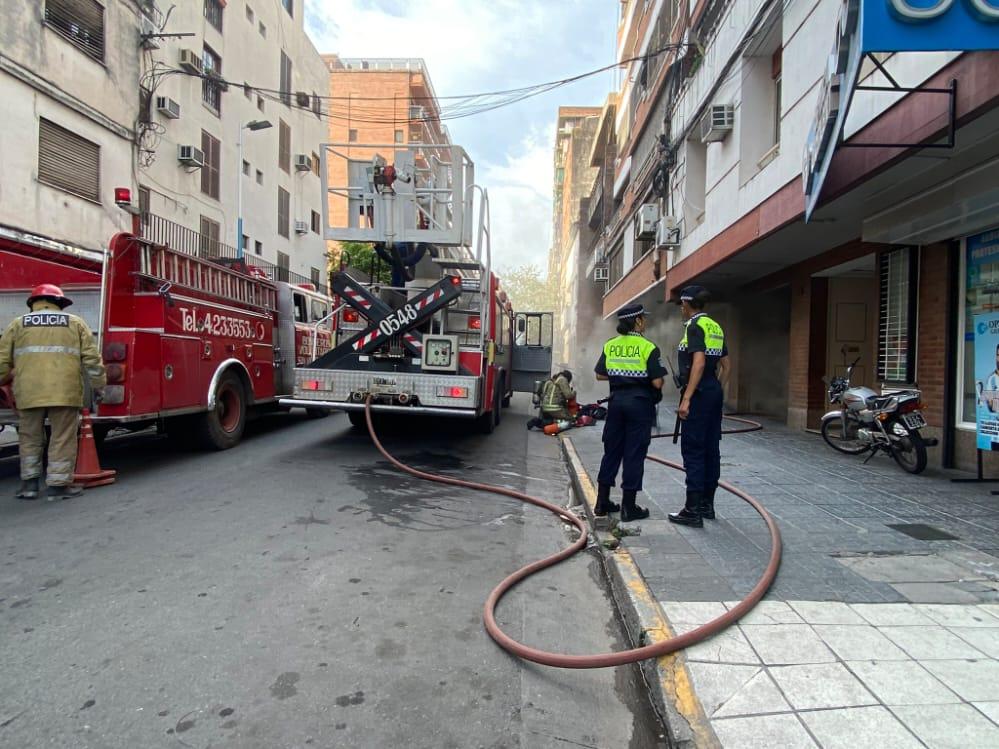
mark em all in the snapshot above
pixel 602 660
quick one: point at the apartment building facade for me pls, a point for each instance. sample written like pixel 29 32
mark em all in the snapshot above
pixel 576 128
pixel 111 93
pixel 896 255
pixel 386 103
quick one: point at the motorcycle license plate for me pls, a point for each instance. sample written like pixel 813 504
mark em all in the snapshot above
pixel 914 420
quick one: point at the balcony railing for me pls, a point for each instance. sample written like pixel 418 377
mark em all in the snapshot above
pixel 181 239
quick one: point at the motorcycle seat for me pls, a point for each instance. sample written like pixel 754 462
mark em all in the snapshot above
pixel 875 402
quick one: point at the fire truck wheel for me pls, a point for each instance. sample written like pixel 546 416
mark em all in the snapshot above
pixel 100 433
pixel 316 413
pixel 222 427
pixel 357 420
pixel 506 398
pixel 491 419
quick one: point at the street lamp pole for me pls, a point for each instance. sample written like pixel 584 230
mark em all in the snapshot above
pixel 253 125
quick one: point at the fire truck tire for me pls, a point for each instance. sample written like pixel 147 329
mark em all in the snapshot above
pixel 222 427
pixel 491 419
pixel 506 398
pixel 100 433
pixel 316 413
pixel 357 419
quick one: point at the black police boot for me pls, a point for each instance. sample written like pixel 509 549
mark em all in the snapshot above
pixel 604 504
pixel 28 489
pixel 629 510
pixel 708 505
pixel 690 514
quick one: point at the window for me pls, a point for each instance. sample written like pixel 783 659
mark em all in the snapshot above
pixel 262 29
pixel 68 162
pixel 694 183
pixel 616 265
pixel 81 22
pixel 399 136
pixel 144 200
pixel 211 90
pixel 246 167
pixel 210 171
pixel 897 271
pixel 260 177
pixel 282 270
pixel 284 212
pixel 318 308
pixel 246 243
pixel 760 99
pixel 213 12
pixel 285 84
pixel 777 62
pixel 316 163
pixel 284 146
pixel 208 243
pixel 301 306
pixel 317 105
pixel 260 103
pixel 258 247
pixel 249 14
pixel 289 5
pixel 352 135
pixel 316 222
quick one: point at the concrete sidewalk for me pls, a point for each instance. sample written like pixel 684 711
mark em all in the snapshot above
pixel 882 627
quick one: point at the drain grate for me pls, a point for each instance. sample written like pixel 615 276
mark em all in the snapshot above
pixel 923 532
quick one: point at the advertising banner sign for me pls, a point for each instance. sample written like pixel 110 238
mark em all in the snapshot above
pixel 930 25
pixel 987 380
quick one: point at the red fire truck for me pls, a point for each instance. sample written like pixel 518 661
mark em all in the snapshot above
pixel 441 338
pixel 192 339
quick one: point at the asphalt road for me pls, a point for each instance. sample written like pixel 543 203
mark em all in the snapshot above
pixel 297 591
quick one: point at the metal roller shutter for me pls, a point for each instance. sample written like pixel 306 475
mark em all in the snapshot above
pixel 69 162
pixel 80 21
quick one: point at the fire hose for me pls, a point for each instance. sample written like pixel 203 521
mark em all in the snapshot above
pixel 602 660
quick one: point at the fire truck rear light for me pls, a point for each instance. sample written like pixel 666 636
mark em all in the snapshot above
pixel 311 385
pixel 113 395
pixel 351 315
pixel 475 323
pixel 452 392
pixel 456 280
pixel 122 196
pixel 115 351
pixel 116 372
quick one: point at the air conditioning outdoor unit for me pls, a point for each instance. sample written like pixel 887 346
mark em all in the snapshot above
pixel 667 232
pixel 301 227
pixel 645 221
pixel 416 112
pixel 302 99
pixel 717 123
pixel 167 107
pixel 190 61
pixel 190 156
pixel 601 273
pixel 303 162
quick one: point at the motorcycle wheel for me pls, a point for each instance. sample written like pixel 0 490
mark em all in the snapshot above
pixel 910 453
pixel 832 433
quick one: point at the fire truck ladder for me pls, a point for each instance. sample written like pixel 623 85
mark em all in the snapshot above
pixel 372 309
pixel 386 323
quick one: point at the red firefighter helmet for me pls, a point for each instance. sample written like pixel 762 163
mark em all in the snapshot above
pixel 51 292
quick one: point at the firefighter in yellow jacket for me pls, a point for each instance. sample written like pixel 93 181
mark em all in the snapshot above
pixel 49 351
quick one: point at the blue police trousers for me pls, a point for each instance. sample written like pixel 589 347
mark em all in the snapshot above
pixel 627 434
pixel 700 438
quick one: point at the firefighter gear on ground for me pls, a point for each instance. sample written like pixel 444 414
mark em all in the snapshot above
pixel 555 396
pixel 630 362
pixel 700 431
pixel 49 351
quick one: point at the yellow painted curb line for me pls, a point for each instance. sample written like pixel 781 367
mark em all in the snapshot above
pixel 670 676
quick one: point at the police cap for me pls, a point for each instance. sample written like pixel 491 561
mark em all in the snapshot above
pixel 693 294
pixel 629 311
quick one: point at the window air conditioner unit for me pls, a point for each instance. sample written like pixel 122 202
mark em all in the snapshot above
pixel 303 162
pixel 302 99
pixel 646 220
pixel 667 232
pixel 416 112
pixel 168 107
pixel 717 123
pixel 601 273
pixel 190 156
pixel 301 227
pixel 190 61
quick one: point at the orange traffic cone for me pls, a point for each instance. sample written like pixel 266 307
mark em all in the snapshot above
pixel 88 468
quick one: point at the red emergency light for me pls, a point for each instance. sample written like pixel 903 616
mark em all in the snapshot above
pixel 457 392
pixel 475 323
pixel 456 280
pixel 351 315
pixel 122 197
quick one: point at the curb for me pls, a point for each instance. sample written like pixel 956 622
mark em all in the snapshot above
pixel 668 679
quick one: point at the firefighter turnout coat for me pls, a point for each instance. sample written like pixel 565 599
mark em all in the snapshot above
pixel 50 351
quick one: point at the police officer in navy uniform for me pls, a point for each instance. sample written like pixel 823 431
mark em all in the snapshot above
pixel 702 358
pixel 633 367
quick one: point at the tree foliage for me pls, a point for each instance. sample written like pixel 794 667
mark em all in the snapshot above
pixel 361 255
pixel 529 288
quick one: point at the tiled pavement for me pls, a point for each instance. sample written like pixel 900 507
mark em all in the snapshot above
pixel 868 637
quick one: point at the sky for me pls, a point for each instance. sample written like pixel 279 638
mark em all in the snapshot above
pixel 473 46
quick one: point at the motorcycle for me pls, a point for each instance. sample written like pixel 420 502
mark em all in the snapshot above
pixel 866 422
